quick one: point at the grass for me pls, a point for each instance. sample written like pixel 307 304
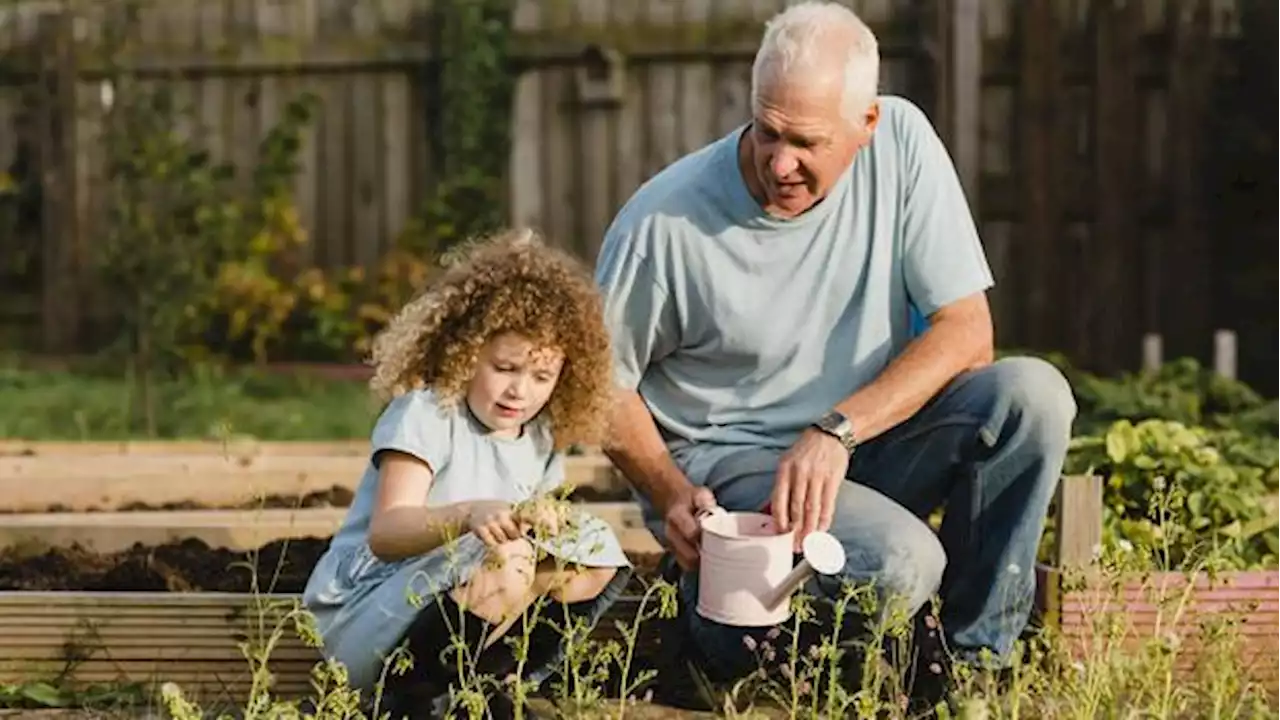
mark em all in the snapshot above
pixel 97 403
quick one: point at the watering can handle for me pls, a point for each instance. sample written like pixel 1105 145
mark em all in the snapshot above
pixel 709 512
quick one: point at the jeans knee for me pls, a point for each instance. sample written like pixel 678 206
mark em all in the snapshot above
pixel 913 570
pixel 1038 396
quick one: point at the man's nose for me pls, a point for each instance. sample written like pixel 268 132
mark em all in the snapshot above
pixel 783 163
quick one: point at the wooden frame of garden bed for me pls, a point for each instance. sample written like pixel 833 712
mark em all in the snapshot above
pixel 36 478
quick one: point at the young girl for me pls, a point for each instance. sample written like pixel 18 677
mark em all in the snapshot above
pixel 490 375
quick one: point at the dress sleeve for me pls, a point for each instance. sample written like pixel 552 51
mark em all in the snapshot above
pixel 416 425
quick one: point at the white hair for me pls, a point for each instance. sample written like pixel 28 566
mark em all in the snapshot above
pixel 797 43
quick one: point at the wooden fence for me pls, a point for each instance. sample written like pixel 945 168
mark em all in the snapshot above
pixel 1077 125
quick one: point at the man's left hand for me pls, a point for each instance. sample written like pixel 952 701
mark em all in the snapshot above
pixel 808 479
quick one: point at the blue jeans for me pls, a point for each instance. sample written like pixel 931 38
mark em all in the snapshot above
pixel 990 447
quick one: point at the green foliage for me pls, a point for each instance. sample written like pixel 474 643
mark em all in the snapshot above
pixel 186 244
pixel 170 222
pixel 41 695
pixel 1189 461
pixel 469 197
pixel 1179 391
pixel 1189 493
pixel 265 305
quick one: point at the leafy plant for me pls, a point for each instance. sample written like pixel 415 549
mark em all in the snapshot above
pixel 46 695
pixel 171 221
pixel 1205 444
pixel 1219 484
pixel 252 294
pixel 476 93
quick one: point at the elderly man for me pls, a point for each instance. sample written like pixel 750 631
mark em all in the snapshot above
pixel 760 293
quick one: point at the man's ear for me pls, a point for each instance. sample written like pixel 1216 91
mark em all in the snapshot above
pixel 871 117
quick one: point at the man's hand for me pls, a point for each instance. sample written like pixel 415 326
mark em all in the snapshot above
pixel 809 477
pixel 681 526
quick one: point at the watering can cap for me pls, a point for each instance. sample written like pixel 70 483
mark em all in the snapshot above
pixel 823 552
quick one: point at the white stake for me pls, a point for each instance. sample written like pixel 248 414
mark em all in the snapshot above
pixel 1152 351
pixel 1224 353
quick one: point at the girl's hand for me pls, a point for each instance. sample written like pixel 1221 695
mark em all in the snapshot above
pixel 493 522
pixel 545 516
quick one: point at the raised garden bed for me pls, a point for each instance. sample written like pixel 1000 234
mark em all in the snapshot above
pixel 138 576
pixel 174 612
pixel 1095 615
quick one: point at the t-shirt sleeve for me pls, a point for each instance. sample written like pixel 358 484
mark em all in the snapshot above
pixel 943 257
pixel 415 425
pixel 638 312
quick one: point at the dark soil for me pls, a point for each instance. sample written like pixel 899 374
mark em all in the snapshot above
pixel 335 497
pixel 186 566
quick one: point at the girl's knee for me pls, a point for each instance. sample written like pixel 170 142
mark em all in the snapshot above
pixel 580 584
pixel 503 584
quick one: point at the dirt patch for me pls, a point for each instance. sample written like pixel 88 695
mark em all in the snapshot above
pixel 186 566
pixel 335 497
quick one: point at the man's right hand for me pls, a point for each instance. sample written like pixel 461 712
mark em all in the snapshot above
pixel 681 524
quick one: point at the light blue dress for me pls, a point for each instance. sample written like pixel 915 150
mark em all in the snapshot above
pixel 363 606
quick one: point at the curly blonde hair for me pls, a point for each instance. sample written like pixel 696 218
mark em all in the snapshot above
pixel 508 282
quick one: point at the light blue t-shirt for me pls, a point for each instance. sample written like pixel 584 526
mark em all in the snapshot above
pixel 469 463
pixel 739 328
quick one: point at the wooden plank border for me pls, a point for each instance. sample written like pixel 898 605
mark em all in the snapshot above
pixel 81 480
pixel 190 639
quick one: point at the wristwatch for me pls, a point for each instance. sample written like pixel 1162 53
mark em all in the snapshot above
pixel 835 424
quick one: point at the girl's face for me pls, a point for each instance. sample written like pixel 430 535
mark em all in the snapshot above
pixel 512 383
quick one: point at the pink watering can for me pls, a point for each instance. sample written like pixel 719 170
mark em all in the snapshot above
pixel 745 574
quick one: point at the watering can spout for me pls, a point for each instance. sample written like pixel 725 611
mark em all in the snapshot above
pixel 822 553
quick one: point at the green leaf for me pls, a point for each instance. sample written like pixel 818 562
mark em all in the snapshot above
pixel 1195 503
pixel 43 694
pixel 1122 441
pixel 1145 462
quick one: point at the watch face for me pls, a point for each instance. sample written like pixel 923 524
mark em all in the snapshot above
pixel 838 425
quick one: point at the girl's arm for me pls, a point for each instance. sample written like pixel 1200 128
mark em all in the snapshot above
pixel 401 525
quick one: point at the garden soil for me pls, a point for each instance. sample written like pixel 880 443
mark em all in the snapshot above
pixel 184 566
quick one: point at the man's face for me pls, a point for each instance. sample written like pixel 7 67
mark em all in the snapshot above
pixel 799 143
